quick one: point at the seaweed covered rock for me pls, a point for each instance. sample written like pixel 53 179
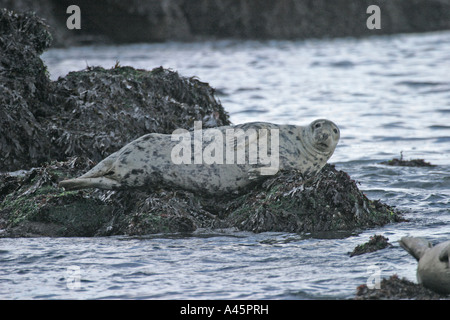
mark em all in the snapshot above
pixel 37 207
pixel 407 163
pixel 23 89
pixel 33 204
pixel 395 288
pixel 99 111
pixel 376 242
pixel 330 201
pixel 168 211
pixel 92 112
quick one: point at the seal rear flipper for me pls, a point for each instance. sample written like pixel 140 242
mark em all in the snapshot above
pixel 415 246
pixel 83 183
pixel 102 167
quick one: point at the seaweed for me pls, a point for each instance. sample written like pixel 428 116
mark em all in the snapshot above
pixel 38 203
pixel 104 109
pixel 92 112
pixel 407 163
pixel 376 242
pixel 395 288
pixel 330 201
pixel 286 202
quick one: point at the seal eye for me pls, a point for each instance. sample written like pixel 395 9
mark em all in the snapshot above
pixel 335 130
pixel 317 125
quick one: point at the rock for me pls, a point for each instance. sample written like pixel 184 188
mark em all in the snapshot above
pixel 102 110
pixel 329 202
pixel 395 288
pixel 54 18
pixel 23 89
pixel 92 112
pixel 37 207
pixel 376 242
pixel 115 21
pixel 407 163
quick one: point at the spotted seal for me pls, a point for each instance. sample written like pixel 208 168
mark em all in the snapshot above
pixel 227 160
pixel 433 270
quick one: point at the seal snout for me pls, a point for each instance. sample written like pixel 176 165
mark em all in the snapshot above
pixel 324 136
pixel 323 140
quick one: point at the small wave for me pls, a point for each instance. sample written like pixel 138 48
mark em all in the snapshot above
pixel 442 139
pixel 420 83
pixel 439 127
pixel 334 64
pixel 399 138
pixel 249 111
pixel 342 64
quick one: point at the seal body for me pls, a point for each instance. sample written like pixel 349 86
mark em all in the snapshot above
pixel 433 269
pixel 213 161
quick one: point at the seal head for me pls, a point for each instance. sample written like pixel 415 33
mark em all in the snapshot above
pixel 324 136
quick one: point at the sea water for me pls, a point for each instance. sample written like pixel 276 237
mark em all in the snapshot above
pixel 388 94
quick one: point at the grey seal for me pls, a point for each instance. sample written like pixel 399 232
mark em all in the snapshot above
pixel 214 161
pixel 433 270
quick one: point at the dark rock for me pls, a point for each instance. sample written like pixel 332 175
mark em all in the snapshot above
pixel 102 110
pixel 153 20
pixel 37 207
pixel 53 17
pixel 282 203
pixel 126 22
pixel 376 242
pixel 23 83
pixel 330 201
pixel 92 112
pixel 407 163
pixel 395 288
